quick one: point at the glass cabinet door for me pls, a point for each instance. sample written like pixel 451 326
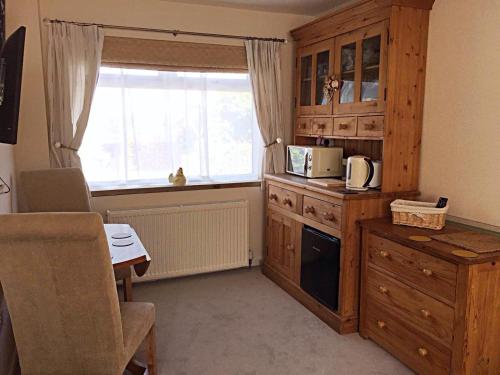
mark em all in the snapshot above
pixel 361 70
pixel 370 70
pixel 315 67
pixel 322 75
pixel 305 80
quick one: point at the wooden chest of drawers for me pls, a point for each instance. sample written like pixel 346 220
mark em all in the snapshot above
pixel 435 311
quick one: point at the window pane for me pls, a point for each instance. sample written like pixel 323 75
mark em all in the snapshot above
pixel 146 124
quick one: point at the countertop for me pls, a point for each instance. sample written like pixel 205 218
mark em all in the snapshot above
pixel 337 192
pixel 401 234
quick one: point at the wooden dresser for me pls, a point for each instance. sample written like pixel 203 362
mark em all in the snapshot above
pixel 437 312
pixel 293 202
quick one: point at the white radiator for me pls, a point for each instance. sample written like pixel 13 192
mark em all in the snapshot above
pixel 190 239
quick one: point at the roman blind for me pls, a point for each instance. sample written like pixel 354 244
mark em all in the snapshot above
pixel 168 55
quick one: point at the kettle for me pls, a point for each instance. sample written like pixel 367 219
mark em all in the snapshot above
pixel 360 171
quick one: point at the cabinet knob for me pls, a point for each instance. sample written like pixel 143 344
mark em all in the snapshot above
pixel 309 210
pixel 287 202
pixel 370 126
pixel 384 253
pixel 343 126
pixel 423 352
pixel 382 289
pixel 425 313
pixel 328 216
pixel 290 248
pixel 273 197
pixel 427 272
pixel 381 324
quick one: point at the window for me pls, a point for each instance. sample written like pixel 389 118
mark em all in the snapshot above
pixel 145 124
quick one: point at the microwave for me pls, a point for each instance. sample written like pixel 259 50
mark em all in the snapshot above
pixel 314 162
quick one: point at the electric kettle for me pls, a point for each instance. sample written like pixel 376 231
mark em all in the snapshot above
pixel 360 171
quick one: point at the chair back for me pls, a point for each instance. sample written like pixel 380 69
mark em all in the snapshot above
pixel 55 190
pixel 57 278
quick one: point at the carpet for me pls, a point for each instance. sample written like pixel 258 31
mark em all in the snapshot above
pixel 240 322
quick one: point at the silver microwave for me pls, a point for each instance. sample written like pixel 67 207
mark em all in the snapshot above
pixel 314 162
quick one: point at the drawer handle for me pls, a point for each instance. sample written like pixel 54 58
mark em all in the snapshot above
pixel 343 126
pixel 384 254
pixel 427 272
pixel 423 352
pixel 287 202
pixel 328 216
pixel 309 210
pixel 321 126
pixel 381 324
pixel 273 197
pixel 370 126
pixel 382 289
pixel 425 313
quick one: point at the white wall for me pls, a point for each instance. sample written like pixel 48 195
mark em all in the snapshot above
pixel 461 135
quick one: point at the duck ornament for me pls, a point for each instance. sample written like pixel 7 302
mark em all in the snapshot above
pixel 179 179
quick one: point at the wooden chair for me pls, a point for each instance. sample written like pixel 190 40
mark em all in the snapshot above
pixel 58 283
pixel 63 190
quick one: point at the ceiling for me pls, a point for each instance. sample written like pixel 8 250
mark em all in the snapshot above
pixel 305 7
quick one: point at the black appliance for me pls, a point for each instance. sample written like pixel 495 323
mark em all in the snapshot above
pixel 320 266
pixel 11 70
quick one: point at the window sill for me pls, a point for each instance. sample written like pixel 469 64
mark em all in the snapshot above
pixel 171 188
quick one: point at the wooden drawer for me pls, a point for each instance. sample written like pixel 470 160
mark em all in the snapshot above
pixel 322 126
pixel 425 272
pixel 283 198
pixel 419 352
pixel 425 313
pixel 322 212
pixel 371 126
pixel 303 125
pixel 345 126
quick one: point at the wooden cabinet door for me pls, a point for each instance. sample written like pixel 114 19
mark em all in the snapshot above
pixel 361 68
pixel 314 65
pixel 281 244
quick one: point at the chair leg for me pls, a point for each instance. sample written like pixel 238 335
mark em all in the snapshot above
pixel 127 289
pixel 151 351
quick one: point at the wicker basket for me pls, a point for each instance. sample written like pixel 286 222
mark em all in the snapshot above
pixel 418 214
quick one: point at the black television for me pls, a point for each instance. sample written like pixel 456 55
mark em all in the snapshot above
pixel 11 71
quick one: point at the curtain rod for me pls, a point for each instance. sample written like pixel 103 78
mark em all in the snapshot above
pixel 165 31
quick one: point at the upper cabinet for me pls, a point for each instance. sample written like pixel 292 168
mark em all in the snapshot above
pixel 372 57
pixel 314 67
pixel 361 69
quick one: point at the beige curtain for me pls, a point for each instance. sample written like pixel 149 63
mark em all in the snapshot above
pixel 74 58
pixel 264 66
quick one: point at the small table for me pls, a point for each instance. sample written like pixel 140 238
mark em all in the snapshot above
pixel 126 256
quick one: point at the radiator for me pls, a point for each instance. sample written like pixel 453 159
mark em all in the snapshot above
pixel 190 239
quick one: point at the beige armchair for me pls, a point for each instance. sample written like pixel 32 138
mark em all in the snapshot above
pixel 63 190
pixel 57 278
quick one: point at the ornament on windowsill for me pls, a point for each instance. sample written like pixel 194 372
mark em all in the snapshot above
pixel 332 84
pixel 179 179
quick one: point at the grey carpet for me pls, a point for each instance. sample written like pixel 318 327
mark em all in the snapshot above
pixel 240 322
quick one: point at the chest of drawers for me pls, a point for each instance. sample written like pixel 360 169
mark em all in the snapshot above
pixel 437 312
